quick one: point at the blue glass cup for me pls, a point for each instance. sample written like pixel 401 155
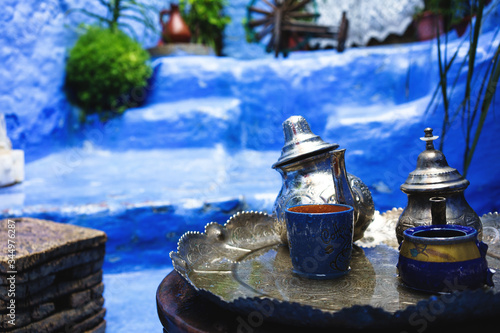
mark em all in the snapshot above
pixel 320 239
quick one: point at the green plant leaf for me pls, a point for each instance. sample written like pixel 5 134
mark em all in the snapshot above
pixel 466 111
pixel 470 72
pixel 116 10
pixel 206 20
pixel 86 12
pixel 145 22
pixel 105 4
pixel 488 97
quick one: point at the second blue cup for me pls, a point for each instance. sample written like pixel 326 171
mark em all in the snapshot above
pixel 320 239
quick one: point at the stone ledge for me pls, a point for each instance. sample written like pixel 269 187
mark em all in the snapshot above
pixel 56 292
pixel 39 312
pixel 63 319
pixel 57 265
pixel 37 241
pixel 94 324
pixel 180 49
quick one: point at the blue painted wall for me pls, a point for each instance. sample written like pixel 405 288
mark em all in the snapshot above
pixel 32 56
pixel 34 37
pixel 369 100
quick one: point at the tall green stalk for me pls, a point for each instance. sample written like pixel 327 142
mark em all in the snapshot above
pixel 487 99
pixel 206 20
pixel 131 10
pixel 444 90
pixel 470 72
pixel 115 14
pixel 487 90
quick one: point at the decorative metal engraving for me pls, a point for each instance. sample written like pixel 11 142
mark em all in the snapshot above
pixel 433 177
pixel 314 171
pixel 491 233
pixel 243 267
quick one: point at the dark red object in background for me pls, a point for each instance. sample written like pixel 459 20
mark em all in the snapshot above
pixel 175 30
pixel 428 24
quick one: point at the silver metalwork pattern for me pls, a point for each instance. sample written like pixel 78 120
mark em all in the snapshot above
pixel 314 172
pixel 218 248
pixel 363 201
pixel 243 267
pixel 491 233
pixel 433 177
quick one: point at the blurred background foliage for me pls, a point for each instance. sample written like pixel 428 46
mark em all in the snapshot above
pixel 106 72
pixel 207 21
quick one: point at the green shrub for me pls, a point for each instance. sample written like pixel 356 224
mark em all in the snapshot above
pixel 206 21
pixel 106 72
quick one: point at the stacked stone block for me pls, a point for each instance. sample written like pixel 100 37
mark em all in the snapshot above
pixel 51 277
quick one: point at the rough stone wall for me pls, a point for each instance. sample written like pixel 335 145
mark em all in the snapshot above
pixel 34 38
pixel 33 43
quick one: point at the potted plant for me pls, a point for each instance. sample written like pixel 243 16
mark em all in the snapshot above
pixel 427 24
pixel 442 16
pixel 107 70
pixel 428 21
pixel 206 21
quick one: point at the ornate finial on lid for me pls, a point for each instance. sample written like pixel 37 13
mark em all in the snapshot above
pixel 429 138
pixel 433 174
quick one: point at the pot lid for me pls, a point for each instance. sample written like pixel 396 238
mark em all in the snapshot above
pixel 433 174
pixel 300 142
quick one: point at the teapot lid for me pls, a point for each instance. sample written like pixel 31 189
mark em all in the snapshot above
pixel 433 174
pixel 300 142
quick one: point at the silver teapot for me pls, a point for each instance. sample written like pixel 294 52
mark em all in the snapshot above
pixel 314 171
pixel 433 177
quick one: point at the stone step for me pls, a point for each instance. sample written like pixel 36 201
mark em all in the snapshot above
pixel 143 199
pixel 194 122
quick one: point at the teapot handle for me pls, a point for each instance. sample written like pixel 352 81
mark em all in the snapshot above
pixel 164 12
pixel 483 250
pixel 438 210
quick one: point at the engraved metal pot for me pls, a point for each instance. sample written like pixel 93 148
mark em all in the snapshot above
pixel 314 172
pixel 433 177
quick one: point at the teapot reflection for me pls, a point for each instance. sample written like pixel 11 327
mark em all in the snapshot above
pixel 358 285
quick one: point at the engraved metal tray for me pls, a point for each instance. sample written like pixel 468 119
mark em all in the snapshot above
pixel 243 267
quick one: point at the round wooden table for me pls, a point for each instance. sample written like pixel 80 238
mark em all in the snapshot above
pixel 182 309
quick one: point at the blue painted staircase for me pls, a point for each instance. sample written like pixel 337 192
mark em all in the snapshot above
pixel 201 146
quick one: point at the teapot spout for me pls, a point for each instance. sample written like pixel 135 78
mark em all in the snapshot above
pixel 343 192
pixel 438 210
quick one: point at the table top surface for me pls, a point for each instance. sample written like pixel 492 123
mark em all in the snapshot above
pixel 182 309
